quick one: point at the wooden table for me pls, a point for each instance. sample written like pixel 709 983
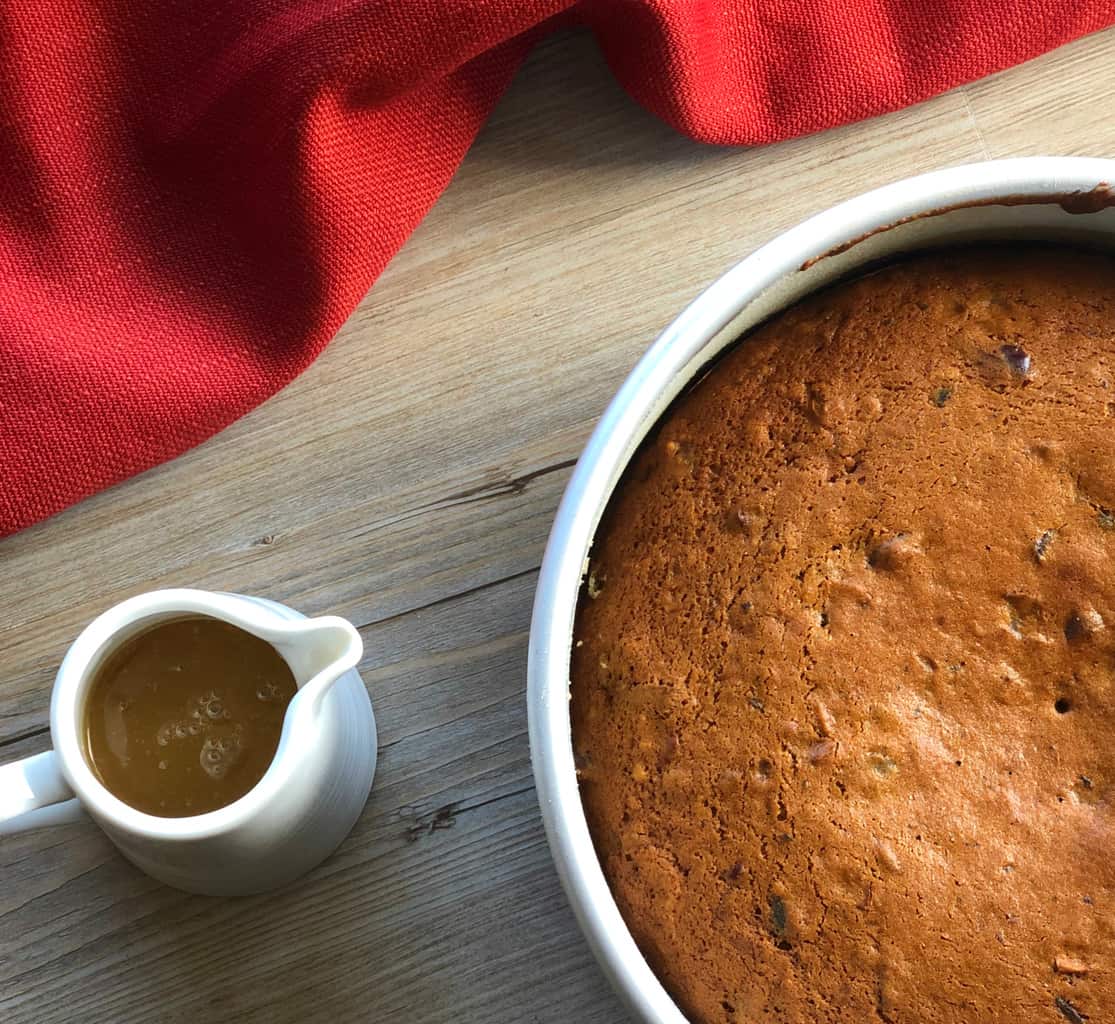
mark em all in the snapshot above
pixel 407 481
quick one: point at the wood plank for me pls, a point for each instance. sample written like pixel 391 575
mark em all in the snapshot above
pixel 575 231
pixel 1059 104
pixel 442 905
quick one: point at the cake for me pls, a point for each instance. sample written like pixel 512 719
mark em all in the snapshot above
pixel 843 674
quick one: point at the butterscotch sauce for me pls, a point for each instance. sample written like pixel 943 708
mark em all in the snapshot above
pixel 185 717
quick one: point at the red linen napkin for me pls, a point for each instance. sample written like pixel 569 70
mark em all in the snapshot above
pixel 194 195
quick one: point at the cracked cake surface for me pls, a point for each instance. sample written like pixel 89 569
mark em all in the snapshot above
pixel 843 677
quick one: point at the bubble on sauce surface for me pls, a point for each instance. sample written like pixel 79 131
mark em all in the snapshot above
pixel 219 754
pixel 267 692
pixel 175 730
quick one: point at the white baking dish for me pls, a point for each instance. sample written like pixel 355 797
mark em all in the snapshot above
pixel 1064 198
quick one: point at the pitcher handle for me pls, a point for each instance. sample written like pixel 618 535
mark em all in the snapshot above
pixel 34 794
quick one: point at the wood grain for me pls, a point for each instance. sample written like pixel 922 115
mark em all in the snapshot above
pixel 407 481
pixel 416 917
pixel 1058 104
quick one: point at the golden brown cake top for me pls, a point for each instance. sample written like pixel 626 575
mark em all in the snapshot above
pixel 844 669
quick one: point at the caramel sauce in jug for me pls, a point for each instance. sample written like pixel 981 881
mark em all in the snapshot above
pixel 185 717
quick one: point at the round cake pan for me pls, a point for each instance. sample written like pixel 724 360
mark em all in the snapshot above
pixel 1055 198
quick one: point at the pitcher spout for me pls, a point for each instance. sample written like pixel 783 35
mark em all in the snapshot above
pixel 324 649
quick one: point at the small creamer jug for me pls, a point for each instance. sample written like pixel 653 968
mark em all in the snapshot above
pixel 307 800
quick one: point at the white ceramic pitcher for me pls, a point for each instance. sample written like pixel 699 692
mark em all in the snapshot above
pixel 294 817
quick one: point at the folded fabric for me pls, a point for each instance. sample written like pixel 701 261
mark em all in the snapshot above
pixel 193 196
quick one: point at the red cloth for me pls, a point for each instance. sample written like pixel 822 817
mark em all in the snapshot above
pixel 194 195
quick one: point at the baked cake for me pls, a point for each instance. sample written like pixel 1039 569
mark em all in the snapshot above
pixel 843 682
